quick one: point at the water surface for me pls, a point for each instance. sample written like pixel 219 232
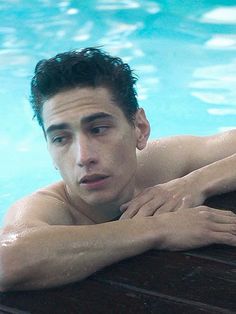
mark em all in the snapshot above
pixel 182 51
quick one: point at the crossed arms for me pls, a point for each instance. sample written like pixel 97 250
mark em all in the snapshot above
pixel 41 247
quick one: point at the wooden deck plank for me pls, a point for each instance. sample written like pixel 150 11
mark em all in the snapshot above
pixel 178 275
pixel 100 297
pixel 219 253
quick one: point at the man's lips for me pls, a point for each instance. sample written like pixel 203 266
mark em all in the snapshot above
pixel 94 182
pixel 89 179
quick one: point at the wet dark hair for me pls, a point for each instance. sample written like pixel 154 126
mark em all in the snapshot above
pixel 90 67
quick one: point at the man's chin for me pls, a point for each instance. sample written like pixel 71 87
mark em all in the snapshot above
pixel 100 201
pixel 103 200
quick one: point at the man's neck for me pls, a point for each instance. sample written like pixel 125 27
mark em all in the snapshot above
pixel 99 213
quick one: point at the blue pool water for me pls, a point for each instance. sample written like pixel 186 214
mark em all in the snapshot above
pixel 182 50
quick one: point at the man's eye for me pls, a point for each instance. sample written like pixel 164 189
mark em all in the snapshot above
pixel 59 140
pixel 99 130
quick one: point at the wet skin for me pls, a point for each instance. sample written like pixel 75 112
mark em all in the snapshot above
pixel 94 147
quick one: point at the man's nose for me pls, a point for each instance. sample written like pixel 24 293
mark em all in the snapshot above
pixel 86 152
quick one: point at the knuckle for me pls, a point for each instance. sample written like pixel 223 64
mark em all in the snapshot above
pixel 187 200
pixel 229 238
pixel 159 190
pixel 207 215
pixel 203 208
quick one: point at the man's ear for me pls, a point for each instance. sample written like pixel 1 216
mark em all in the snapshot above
pixel 142 129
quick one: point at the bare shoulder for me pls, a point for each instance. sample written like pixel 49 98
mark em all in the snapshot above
pixel 47 205
pixel 162 160
pixel 173 157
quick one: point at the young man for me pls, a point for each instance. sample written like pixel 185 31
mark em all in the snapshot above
pixel 113 203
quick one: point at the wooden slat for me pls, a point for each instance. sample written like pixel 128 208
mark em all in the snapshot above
pixel 219 253
pixel 10 310
pixel 96 297
pixel 180 276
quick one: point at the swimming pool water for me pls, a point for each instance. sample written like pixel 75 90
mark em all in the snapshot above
pixel 182 50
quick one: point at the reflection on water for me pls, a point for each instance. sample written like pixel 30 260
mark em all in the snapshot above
pixel 182 51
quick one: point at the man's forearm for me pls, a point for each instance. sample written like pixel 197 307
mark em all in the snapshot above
pixel 47 256
pixel 216 178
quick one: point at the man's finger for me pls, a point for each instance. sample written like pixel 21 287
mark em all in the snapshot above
pixel 124 207
pixel 218 218
pixel 148 209
pixel 135 205
pixel 171 206
pixel 225 238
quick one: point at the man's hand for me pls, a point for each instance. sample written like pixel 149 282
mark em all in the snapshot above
pixel 171 196
pixel 196 227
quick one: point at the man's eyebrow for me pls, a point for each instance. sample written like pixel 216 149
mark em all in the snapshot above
pixel 55 127
pixel 95 116
pixel 84 120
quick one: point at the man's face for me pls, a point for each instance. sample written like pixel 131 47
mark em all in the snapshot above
pixel 92 144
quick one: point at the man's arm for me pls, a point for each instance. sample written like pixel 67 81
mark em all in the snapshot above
pixel 38 251
pixel 40 247
pixel 212 165
pixel 174 157
pixel 182 172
